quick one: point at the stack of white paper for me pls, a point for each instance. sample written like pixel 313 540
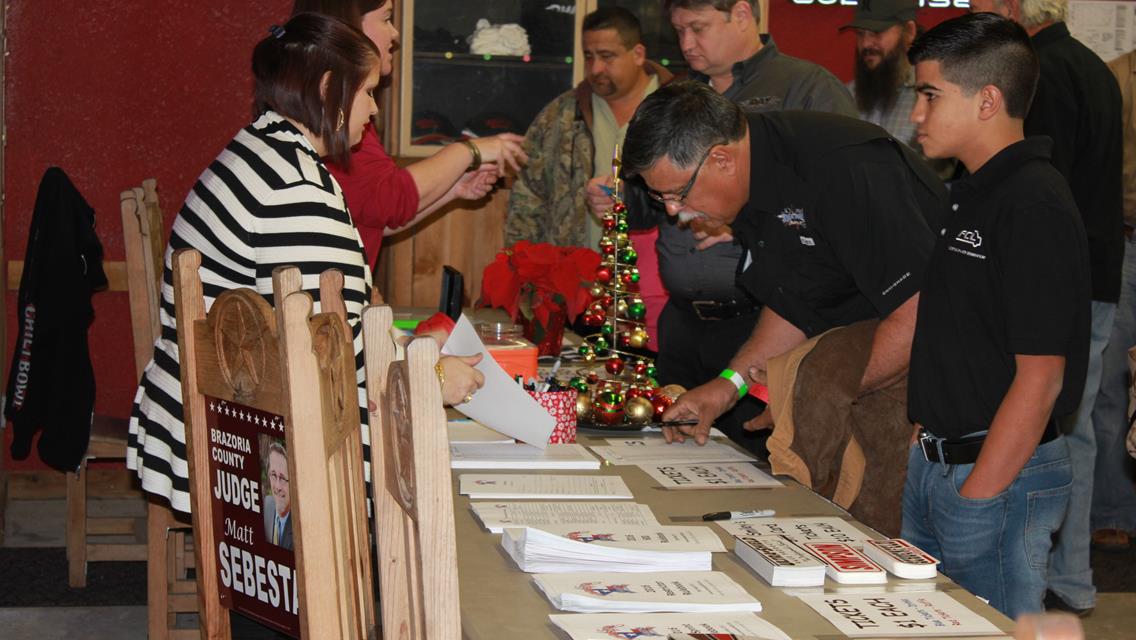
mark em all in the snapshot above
pixel 609 549
pixel 846 565
pixel 480 486
pixel 645 592
pixel 495 516
pixel 605 626
pixel 495 455
pixel 780 562
pixel 799 530
pixel 902 558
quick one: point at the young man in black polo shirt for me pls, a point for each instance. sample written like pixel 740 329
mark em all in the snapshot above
pixel 1002 335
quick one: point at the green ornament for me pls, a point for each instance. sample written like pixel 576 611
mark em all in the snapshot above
pixel 607 329
pixel 601 343
pixel 634 275
pixel 622 226
pixel 637 310
pixel 628 255
pixel 651 372
pixel 584 350
pixel 579 384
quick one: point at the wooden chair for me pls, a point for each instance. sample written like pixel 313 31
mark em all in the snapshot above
pixel 88 537
pixel 292 364
pixel 413 491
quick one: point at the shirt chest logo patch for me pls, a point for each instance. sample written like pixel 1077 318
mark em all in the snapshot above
pixel 971 240
pixel 793 218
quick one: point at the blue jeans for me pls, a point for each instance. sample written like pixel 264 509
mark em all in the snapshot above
pixel 1114 477
pixel 1070 575
pixel 997 548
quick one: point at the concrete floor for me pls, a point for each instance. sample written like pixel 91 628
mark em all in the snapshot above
pixel 40 523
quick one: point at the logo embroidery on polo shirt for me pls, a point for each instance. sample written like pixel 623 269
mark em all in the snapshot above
pixel 792 218
pixel 970 238
pixel 973 238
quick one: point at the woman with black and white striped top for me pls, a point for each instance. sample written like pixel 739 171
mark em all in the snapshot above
pixel 267 201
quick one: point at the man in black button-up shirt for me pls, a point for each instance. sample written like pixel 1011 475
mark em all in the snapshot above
pixel 1002 337
pixel 832 213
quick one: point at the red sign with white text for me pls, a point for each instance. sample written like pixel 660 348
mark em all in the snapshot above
pixel 252 517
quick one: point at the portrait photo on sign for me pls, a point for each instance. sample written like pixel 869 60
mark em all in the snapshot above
pixel 276 491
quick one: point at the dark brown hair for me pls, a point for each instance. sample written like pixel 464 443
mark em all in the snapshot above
pixel 289 66
pixel 721 5
pixel 349 11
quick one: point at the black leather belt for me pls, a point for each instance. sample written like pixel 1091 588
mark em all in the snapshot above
pixel 965 450
pixel 718 310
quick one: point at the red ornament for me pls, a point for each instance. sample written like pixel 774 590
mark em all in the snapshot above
pixel 608 249
pixel 609 224
pixel 593 377
pixel 593 320
pixel 603 274
pixel 641 368
pixel 626 277
pixel 619 207
pixel 624 340
pixel 661 403
pixel 634 392
pixel 614 366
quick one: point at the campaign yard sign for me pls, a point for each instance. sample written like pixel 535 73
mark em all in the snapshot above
pixel 252 518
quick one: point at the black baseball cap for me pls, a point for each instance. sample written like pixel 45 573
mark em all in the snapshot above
pixel 877 15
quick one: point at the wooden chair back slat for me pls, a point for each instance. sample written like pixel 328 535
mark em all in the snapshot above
pixel 301 367
pixel 410 464
pixel 143 240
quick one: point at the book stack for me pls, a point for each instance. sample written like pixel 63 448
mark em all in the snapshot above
pixel 602 549
pixel 779 561
pixel 645 592
pixel 902 558
pixel 846 565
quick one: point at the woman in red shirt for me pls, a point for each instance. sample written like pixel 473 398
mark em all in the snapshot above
pixel 384 198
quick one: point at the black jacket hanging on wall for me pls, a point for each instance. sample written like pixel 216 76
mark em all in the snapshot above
pixel 51 384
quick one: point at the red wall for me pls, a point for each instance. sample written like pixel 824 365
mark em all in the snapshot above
pixel 114 92
pixel 122 90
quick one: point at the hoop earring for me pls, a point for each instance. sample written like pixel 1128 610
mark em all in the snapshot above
pixel 339 121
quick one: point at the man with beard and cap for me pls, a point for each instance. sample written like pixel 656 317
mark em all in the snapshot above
pixel 884 82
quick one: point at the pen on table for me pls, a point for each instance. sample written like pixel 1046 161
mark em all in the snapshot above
pixel 739 515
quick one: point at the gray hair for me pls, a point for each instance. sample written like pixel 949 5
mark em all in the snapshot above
pixel 1038 12
pixel 680 121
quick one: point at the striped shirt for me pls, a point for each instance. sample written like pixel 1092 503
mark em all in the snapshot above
pixel 266 201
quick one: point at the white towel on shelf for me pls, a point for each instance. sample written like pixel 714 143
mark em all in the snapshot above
pixel 499 39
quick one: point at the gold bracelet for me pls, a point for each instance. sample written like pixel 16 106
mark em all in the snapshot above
pixel 441 374
pixel 475 162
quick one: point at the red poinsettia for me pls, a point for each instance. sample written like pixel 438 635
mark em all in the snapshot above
pixel 535 279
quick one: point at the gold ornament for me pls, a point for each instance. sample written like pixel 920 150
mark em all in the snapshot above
pixel 596 290
pixel 672 391
pixel 638 339
pixel 638 410
pixel 583 406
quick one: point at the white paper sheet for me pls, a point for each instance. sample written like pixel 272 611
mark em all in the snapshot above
pixel 710 475
pixel 651 537
pixel 605 626
pixel 885 615
pixel 799 530
pixel 668 591
pixel 1108 28
pixel 658 452
pixel 496 515
pixel 502 404
pixel 484 486
pixel 466 431
pixel 518 455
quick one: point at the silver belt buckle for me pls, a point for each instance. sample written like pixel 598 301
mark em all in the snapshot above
pixel 928 442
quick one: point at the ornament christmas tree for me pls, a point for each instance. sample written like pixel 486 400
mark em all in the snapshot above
pixel 623 389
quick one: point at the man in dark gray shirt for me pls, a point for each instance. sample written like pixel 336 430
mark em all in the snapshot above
pixel 708 316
